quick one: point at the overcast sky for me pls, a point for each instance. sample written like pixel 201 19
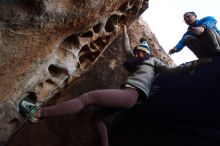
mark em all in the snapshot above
pixel 165 18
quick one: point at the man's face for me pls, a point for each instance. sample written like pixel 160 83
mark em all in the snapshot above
pixel 189 18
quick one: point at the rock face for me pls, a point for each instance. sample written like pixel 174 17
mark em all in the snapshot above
pixel 140 28
pixel 49 48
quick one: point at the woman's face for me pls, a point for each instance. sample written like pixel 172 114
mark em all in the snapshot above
pixel 189 18
pixel 139 54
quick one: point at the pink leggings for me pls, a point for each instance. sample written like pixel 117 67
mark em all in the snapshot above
pixel 122 98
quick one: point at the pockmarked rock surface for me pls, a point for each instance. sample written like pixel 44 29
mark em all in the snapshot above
pixel 47 48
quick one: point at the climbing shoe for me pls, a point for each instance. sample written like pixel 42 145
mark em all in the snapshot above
pixel 29 110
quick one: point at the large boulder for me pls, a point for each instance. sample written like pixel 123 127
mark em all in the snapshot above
pixel 48 46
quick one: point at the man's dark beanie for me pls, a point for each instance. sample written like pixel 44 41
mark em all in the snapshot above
pixel 191 12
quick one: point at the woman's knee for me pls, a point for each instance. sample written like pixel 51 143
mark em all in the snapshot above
pixel 84 99
pixel 93 97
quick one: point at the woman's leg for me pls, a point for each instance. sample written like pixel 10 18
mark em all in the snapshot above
pixel 125 98
pixel 102 131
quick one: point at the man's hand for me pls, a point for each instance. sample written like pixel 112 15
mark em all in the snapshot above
pixel 171 51
pixel 198 30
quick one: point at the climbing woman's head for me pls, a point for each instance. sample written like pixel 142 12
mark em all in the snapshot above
pixel 142 49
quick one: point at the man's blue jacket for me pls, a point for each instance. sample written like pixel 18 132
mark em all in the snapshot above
pixel 208 22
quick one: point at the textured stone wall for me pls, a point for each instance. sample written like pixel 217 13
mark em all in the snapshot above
pixel 43 42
